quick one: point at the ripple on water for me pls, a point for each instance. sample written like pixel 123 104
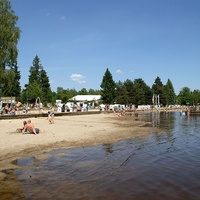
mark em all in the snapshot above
pixel 164 166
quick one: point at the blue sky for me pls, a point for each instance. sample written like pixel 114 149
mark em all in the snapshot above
pixel 76 40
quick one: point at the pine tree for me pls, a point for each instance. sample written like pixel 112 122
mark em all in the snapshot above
pixel 169 94
pixel 38 78
pixel 130 90
pixel 108 86
pixel 158 89
pixel 45 86
pixel 142 92
pixel 35 70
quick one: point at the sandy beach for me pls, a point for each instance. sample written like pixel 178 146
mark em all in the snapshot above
pixel 67 132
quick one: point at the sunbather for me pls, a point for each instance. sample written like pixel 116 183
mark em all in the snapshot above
pixel 30 128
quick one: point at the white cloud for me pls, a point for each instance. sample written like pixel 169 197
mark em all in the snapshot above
pixel 78 78
pixel 119 71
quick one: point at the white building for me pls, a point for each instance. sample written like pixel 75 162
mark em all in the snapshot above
pixel 85 98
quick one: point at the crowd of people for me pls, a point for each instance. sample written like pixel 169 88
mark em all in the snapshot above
pixel 12 108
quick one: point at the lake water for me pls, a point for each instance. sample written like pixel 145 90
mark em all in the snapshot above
pixel 164 166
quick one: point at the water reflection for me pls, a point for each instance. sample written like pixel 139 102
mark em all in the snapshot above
pixel 161 166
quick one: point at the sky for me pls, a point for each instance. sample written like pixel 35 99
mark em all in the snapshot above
pixel 77 40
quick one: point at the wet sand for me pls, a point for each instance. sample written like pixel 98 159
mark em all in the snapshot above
pixel 67 132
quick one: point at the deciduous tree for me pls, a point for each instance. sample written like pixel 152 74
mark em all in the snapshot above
pixel 185 96
pixel 13 88
pixel 9 37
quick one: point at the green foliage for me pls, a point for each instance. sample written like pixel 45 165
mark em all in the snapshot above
pixel 45 86
pixel 169 94
pixel 34 91
pixel 9 36
pixel 108 86
pixel 12 82
pixel 121 94
pixel 185 96
pixel 35 70
pixel 38 77
pixel 94 92
pixel 61 94
pixel 53 99
pixel 195 97
pixel 129 88
pixel 166 92
pixel 137 92
pixel 65 95
pixel 158 89
pixel 83 91
pixel 7 82
pixel 142 92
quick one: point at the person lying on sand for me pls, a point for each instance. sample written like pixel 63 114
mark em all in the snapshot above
pixel 30 128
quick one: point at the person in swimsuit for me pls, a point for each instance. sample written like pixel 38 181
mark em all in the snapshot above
pixel 30 128
pixel 51 116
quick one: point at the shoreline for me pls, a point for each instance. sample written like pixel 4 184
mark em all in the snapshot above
pixel 44 113
pixel 67 132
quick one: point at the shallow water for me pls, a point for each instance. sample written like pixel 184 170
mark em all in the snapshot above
pixel 158 167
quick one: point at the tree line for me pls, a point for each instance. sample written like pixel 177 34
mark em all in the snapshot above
pixel 135 91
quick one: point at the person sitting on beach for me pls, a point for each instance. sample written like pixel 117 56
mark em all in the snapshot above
pixel 17 106
pixel 6 108
pixel 23 130
pixel 12 111
pixel 30 128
